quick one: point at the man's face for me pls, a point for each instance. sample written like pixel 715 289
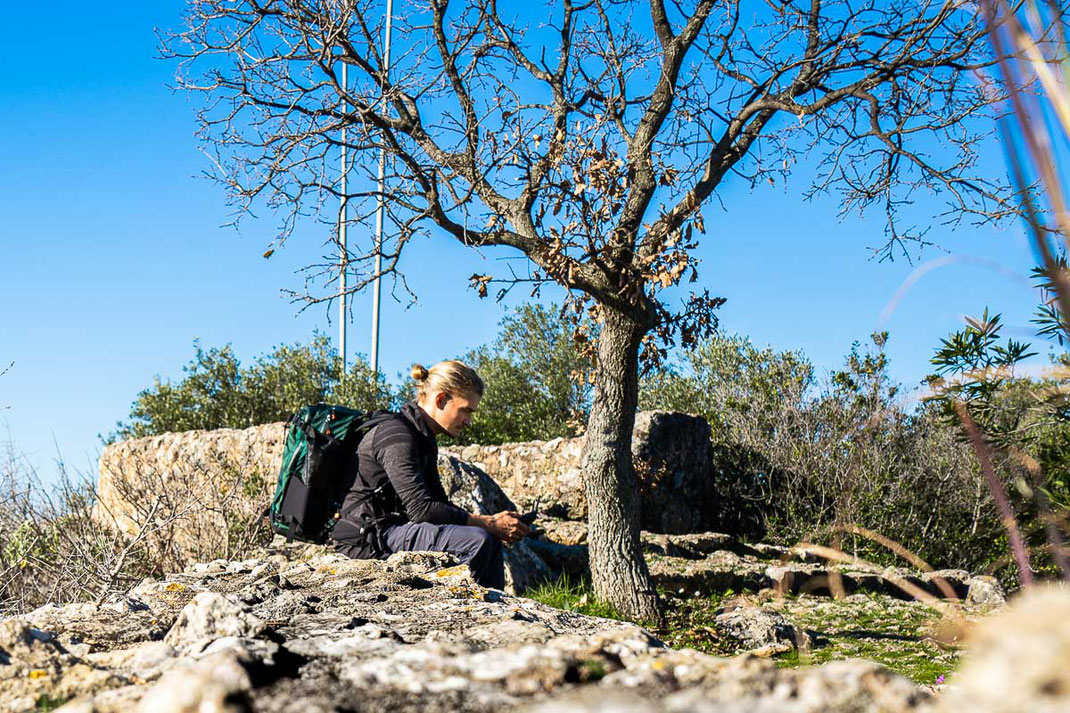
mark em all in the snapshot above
pixel 455 413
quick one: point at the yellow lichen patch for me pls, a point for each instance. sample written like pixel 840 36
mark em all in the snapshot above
pixel 457 571
pixel 659 665
pixel 175 587
pixel 38 673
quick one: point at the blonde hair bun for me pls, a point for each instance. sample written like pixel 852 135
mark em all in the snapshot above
pixel 452 377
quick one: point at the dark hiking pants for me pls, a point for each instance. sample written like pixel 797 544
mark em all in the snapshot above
pixel 474 546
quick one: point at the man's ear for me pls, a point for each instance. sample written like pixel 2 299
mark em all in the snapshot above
pixel 440 400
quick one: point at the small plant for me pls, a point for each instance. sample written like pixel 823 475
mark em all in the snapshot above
pixel 47 703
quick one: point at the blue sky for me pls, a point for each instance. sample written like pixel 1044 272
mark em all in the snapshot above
pixel 114 256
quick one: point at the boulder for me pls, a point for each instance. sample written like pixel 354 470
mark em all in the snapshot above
pixel 470 488
pixel 548 471
pixel 673 458
pixel 208 617
pixel 984 592
pixel 213 684
pixel 947 583
pixel 760 631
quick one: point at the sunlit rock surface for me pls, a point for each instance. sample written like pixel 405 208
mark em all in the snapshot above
pixel 299 630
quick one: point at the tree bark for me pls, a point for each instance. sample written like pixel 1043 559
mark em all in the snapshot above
pixel 618 571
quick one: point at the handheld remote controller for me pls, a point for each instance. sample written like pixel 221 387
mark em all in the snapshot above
pixel 529 517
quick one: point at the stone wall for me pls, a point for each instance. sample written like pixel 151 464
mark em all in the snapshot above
pixel 194 494
pixel 203 491
pixel 673 459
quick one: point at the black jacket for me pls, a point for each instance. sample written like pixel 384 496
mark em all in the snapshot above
pixel 393 479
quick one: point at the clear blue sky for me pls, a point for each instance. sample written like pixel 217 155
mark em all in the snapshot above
pixel 113 258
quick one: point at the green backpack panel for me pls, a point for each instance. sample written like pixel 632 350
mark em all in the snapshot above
pixel 319 440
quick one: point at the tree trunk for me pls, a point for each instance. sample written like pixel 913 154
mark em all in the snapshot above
pixel 618 571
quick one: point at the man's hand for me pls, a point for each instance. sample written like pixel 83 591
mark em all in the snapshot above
pixel 506 526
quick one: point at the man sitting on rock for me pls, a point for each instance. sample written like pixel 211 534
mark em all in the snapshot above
pixel 396 501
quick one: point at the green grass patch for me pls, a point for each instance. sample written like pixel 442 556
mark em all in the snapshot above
pixel 875 627
pixel 573 595
pixel 47 703
pixel 891 632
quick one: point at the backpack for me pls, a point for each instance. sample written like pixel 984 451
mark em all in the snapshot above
pixel 309 492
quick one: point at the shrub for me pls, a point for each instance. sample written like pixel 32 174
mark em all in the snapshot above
pixel 1023 426
pixel 801 459
pixel 536 380
pixel 54 547
pixel 217 392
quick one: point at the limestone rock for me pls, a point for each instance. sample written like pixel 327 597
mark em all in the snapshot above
pixel 24 648
pixel 985 592
pixel 562 559
pixel 674 466
pixel 214 684
pixel 35 667
pixel 563 532
pixel 469 487
pixel 95 628
pixel 208 617
pixel 524 568
pixel 760 631
pixel 947 583
pixel 419 562
pixel 546 470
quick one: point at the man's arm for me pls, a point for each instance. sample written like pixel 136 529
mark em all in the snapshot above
pixel 398 453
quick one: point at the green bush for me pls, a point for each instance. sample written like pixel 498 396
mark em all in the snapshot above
pixel 1024 424
pixel 537 385
pixel 217 392
pixel 802 459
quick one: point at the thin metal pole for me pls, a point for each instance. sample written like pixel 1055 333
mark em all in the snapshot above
pixel 380 205
pixel 343 219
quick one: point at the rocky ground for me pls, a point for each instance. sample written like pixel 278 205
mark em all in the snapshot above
pixel 913 639
pixel 727 597
pixel 752 628
pixel 297 629
pixel 285 633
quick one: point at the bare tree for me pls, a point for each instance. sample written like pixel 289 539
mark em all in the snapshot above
pixel 587 136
